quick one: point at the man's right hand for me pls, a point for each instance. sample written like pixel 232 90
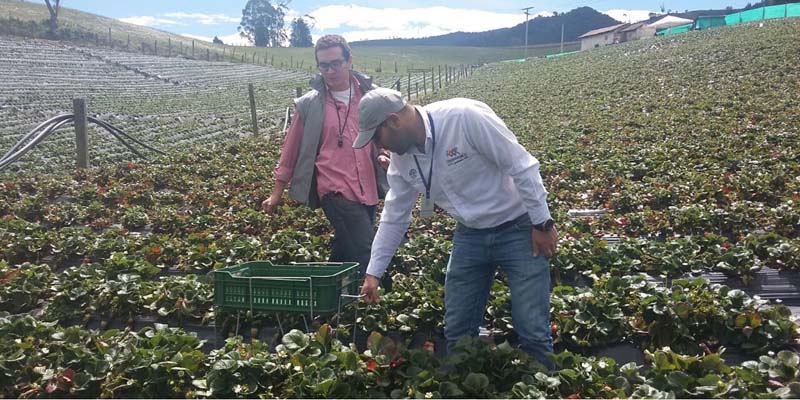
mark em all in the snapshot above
pixel 370 289
pixel 271 204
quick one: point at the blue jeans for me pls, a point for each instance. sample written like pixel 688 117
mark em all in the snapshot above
pixel 475 256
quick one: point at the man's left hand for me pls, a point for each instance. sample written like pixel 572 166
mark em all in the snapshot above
pixel 545 242
pixel 384 158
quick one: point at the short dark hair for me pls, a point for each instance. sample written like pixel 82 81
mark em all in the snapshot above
pixel 330 41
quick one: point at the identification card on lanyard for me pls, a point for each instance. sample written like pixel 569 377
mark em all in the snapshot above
pixel 427 201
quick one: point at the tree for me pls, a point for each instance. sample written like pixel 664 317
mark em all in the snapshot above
pixel 217 40
pixel 53 6
pixel 301 34
pixel 262 23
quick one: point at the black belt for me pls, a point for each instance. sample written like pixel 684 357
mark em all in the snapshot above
pixel 503 226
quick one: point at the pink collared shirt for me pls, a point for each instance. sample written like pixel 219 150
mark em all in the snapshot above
pixel 343 169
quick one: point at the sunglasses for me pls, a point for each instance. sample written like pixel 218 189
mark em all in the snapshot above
pixel 335 64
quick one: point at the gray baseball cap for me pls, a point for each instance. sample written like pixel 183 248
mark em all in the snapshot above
pixel 373 109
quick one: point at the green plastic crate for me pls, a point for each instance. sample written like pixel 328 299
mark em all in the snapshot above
pixel 302 288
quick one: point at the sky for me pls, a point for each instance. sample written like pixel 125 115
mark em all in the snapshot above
pixel 363 20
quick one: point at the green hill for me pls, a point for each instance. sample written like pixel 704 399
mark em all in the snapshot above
pixel 27 19
pixel 84 26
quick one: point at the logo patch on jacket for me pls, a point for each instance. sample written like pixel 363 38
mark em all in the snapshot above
pixel 454 156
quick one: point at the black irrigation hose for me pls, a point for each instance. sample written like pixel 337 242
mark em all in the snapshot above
pixel 54 124
pixel 116 135
pixel 137 141
pixel 45 129
pixel 33 132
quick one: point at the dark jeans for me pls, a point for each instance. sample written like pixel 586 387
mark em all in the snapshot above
pixel 354 229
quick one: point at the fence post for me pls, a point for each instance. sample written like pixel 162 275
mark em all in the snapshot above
pixel 110 41
pixel 208 54
pixel 169 47
pixel 128 46
pixel 424 82
pixel 155 47
pixel 253 114
pixel 96 40
pixel 433 80
pixel 395 67
pixel 440 76
pixel 81 136
pixel 409 85
pixel 416 85
pixel 192 49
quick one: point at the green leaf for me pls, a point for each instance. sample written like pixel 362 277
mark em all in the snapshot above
pixel 349 360
pixel 450 390
pixel 709 380
pixel 795 388
pixel 789 358
pixel 584 318
pixel 225 365
pixel 679 379
pixel 340 391
pixel 295 340
pixel 81 379
pixel 324 335
pixel 682 310
pixel 476 382
pixel 323 388
pixel 569 373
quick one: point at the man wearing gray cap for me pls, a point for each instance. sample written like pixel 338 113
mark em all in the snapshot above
pixel 459 155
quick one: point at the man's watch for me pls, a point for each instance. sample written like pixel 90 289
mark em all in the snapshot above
pixel 545 226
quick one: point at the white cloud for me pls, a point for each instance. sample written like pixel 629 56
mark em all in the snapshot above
pixel 232 39
pixel 146 20
pixel 205 19
pixel 629 16
pixel 362 23
pixel 181 19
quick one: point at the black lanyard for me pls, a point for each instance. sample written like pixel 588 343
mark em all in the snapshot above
pixel 427 182
pixel 340 136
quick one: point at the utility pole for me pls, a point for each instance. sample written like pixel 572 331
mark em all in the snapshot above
pixel 562 38
pixel 527 13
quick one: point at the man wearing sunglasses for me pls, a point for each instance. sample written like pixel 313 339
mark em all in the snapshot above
pixel 319 160
pixel 460 155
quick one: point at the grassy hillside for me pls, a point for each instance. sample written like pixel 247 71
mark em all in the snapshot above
pixel 96 24
pixel 370 58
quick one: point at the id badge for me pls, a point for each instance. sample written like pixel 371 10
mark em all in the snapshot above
pixel 427 208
